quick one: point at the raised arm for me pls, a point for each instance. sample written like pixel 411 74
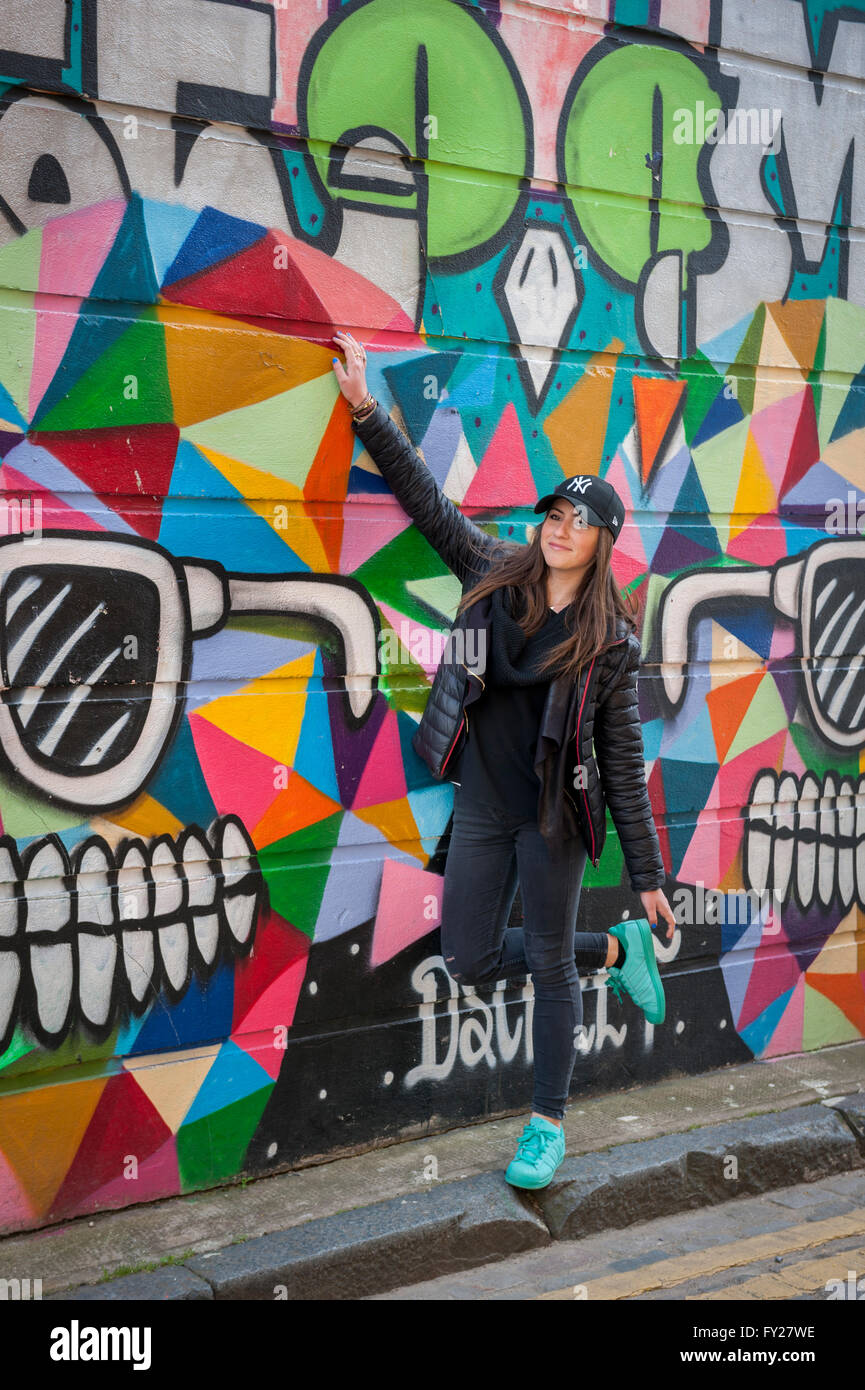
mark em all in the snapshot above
pixel 455 537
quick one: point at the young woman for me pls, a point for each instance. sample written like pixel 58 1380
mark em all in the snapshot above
pixel 545 674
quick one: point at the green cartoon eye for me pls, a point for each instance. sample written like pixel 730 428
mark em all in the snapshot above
pixel 445 91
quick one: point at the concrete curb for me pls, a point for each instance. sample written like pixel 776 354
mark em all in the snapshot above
pixel 461 1225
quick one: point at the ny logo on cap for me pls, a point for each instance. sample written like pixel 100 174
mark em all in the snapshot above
pixel 578 484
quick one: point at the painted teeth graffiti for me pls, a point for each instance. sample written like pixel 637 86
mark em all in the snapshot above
pixel 805 839
pixel 86 941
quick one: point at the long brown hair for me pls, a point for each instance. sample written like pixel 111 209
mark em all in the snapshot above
pixel 588 619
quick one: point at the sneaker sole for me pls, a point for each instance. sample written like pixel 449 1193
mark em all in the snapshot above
pixel 648 941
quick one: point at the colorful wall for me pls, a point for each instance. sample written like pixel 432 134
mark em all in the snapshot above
pixel 221 860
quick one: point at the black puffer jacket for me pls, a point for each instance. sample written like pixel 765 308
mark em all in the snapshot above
pixel 600 705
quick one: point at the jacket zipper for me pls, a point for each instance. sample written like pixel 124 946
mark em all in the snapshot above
pixel 464 720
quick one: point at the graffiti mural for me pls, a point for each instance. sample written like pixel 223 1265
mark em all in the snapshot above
pixel 626 239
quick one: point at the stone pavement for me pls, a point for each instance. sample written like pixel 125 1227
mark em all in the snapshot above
pixel 415 1210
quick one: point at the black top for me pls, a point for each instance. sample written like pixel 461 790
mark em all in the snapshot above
pixel 496 763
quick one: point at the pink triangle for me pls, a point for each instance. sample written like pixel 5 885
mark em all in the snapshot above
pixel 624 566
pixel 774 429
pixel 372 526
pixel 55 512
pixel 702 857
pixel 158 1176
pixel 16 1210
pixel 783 641
pixel 74 247
pixel 415 637
pixel 503 477
pixel 239 778
pixel 762 542
pixel 273 1008
pixel 787 1036
pixel 56 318
pixel 773 971
pixel 737 776
pixel 403 914
pixel 383 776
pixel 617 476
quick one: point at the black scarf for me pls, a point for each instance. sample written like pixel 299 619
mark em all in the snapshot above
pixel 507 666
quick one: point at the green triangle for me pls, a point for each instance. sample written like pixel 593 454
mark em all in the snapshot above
pixel 275 435
pixel 764 717
pixel 405 681
pixel 385 573
pixel 744 369
pixel 704 383
pixel 25 813
pixel 442 593
pixel 102 397
pixel 718 463
pixel 212 1149
pixel 20 261
pixel 17 339
pixel 823 1023
pixel 819 758
pixel 296 869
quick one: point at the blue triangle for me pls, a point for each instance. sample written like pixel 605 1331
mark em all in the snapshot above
pixel 476 388
pixel 97 328
pixel 9 410
pixel 692 743
pixel 314 759
pixel 214 237
pixel 361 480
pixel 203 1015
pixel 691 497
pixel 409 381
pixel 685 785
pixel 852 416
pixel 724 411
pixel 417 774
pixel 167 226
pixel 179 783
pixel 232 1076
pixel 127 273
pixel 758 1033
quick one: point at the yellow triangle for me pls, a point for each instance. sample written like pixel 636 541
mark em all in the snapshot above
pixel 145 817
pixel 755 494
pixel 839 955
pixel 778 374
pixel 279 503
pixel 267 714
pixel 845 456
pixel 172 1080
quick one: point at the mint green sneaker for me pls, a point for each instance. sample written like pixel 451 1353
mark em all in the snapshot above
pixel 638 975
pixel 540 1150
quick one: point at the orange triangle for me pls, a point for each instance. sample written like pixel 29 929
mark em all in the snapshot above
pixel 657 402
pixel 40 1132
pixel 799 322
pixel 299 805
pixel 222 364
pixel 577 427
pixel 328 479
pixel 727 705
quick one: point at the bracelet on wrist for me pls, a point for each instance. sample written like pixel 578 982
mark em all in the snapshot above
pixel 366 407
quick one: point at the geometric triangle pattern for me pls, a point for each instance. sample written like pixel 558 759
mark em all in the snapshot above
pixel 167 397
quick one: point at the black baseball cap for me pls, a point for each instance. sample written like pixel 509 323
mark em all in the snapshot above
pixel 596 498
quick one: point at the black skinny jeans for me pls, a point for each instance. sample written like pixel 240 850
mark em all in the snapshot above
pixel 490 850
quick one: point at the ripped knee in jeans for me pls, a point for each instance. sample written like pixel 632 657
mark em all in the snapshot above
pixel 454 974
